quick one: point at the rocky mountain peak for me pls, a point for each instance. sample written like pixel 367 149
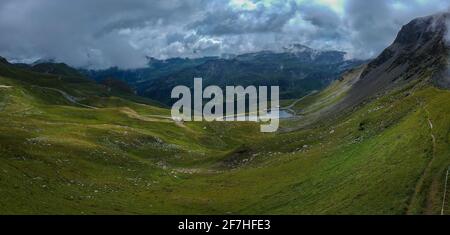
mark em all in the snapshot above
pixel 420 45
pixel 424 29
pixel 419 52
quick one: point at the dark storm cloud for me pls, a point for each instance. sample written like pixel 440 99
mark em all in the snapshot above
pixel 102 33
pixel 371 24
pixel 84 32
pixel 374 24
pixel 320 16
pixel 262 19
pixel 327 24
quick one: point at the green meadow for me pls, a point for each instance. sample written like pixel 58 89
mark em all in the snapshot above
pixel 70 146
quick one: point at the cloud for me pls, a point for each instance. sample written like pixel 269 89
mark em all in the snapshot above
pixel 85 32
pixel 373 25
pixel 105 33
pixel 260 19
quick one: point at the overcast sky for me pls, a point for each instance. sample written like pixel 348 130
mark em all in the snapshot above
pixel 104 33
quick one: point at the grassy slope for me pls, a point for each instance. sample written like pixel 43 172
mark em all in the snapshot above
pixel 57 157
pixel 346 169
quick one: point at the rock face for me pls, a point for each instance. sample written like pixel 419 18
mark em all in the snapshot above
pixel 420 51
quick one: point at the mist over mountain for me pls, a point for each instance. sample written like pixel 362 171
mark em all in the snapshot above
pixel 297 69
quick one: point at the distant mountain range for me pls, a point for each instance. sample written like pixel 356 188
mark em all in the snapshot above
pixel 297 69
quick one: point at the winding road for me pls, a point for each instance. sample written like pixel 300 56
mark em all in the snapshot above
pixel 71 99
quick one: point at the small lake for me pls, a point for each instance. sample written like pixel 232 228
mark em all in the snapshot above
pixel 283 114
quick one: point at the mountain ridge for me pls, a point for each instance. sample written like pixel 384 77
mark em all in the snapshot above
pixel 419 51
pixel 297 74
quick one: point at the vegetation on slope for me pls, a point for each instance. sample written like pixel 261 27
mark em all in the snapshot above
pixel 129 158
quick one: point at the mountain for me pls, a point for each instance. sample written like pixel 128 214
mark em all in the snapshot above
pixel 117 84
pixel 69 145
pixel 46 67
pixel 318 56
pixel 55 68
pixel 155 69
pixel 297 72
pixel 297 69
pixel 392 116
pixel 420 50
pixel 418 57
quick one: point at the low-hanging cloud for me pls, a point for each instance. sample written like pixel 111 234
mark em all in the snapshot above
pixel 104 33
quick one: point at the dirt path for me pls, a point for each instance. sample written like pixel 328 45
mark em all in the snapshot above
pixel 434 186
pixel 445 192
pixel 426 171
pixel 291 106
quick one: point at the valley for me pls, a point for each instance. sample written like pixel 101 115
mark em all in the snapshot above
pixel 374 141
